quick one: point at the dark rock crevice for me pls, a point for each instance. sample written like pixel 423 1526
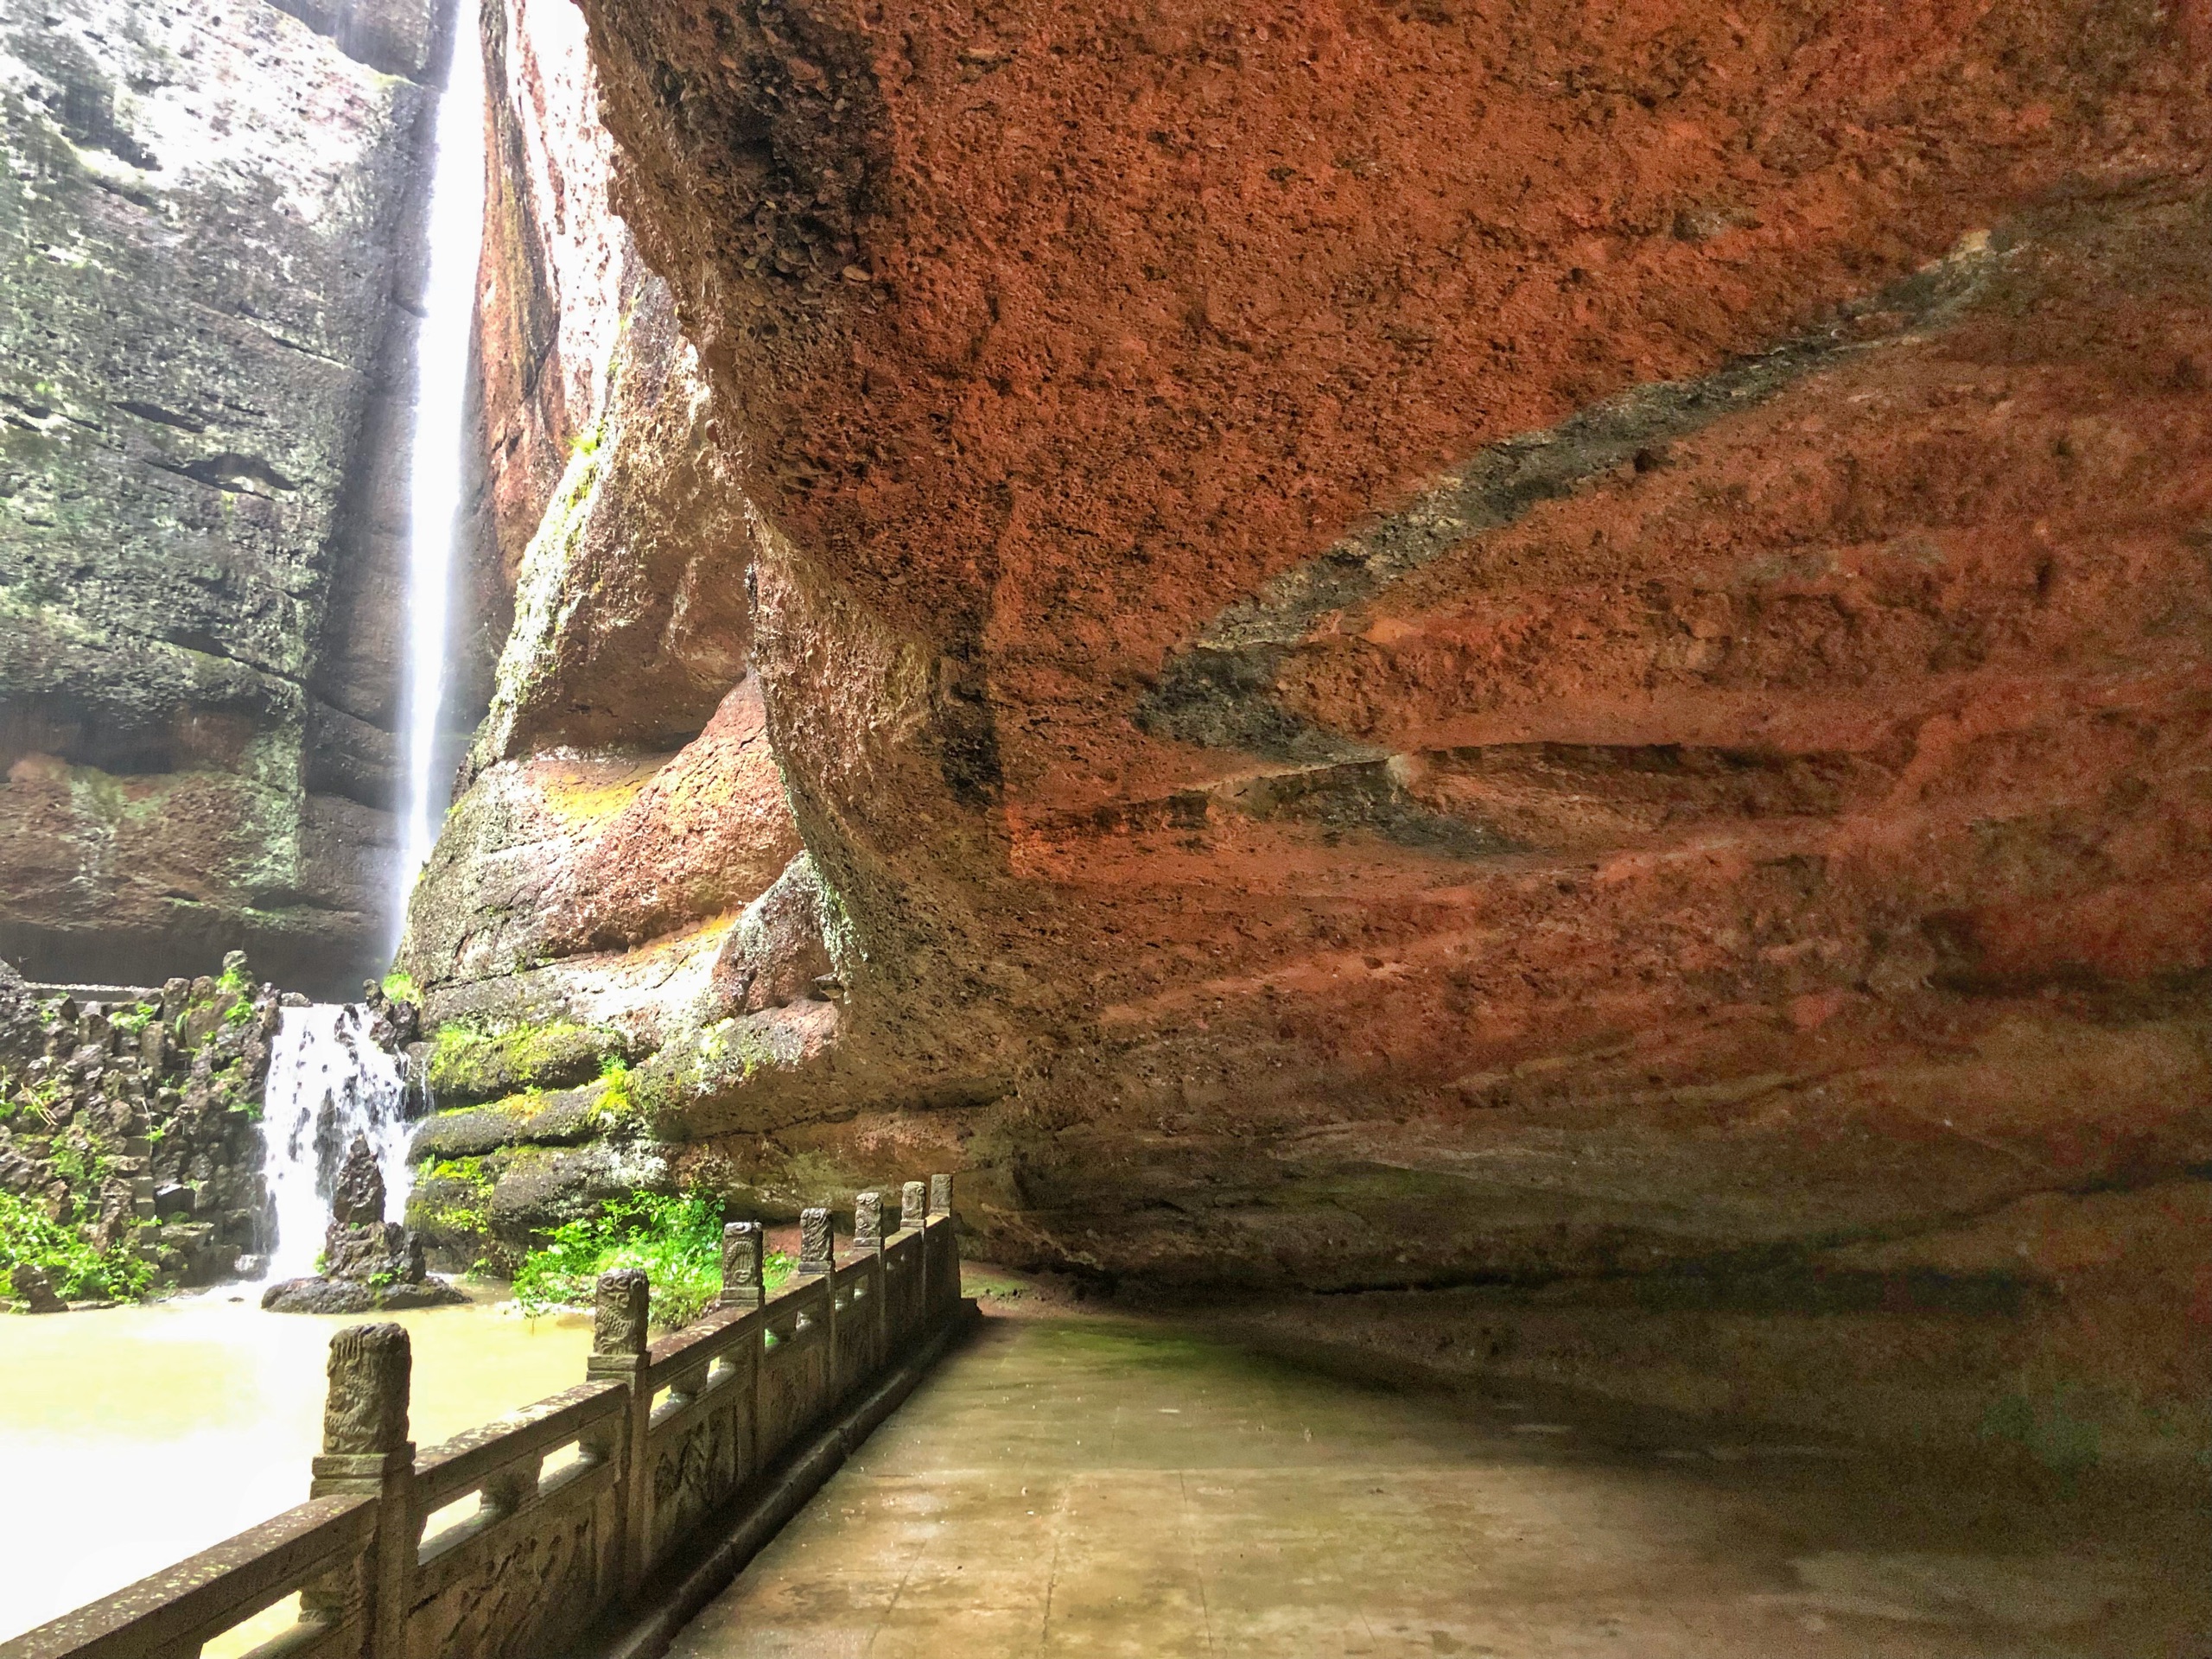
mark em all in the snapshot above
pixel 1218 692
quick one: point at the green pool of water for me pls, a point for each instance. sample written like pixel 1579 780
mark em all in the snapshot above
pixel 134 1436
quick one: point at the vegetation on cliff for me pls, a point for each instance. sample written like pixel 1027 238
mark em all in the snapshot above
pixel 75 1266
pixel 472 1063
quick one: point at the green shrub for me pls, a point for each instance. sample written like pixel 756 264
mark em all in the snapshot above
pixel 76 1268
pixel 677 1241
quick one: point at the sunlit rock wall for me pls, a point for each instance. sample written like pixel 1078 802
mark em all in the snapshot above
pixel 213 254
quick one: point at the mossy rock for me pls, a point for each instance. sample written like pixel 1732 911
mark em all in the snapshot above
pixel 721 1065
pixel 449 1207
pixel 494 1207
pixel 471 1063
pixel 566 1118
pixel 539 1188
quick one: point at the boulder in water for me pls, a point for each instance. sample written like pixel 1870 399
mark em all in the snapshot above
pixel 35 1290
pixel 369 1264
pixel 325 1295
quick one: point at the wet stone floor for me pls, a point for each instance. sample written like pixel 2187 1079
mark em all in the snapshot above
pixel 1101 1486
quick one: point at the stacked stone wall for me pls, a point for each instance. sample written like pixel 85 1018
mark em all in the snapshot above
pixel 130 1124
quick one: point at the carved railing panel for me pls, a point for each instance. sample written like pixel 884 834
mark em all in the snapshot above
pixel 794 1367
pixel 701 1434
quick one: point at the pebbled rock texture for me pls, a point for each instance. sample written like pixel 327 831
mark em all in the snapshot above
pixel 211 215
pixel 1420 646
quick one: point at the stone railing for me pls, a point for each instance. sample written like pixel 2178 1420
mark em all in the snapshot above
pixel 523 1538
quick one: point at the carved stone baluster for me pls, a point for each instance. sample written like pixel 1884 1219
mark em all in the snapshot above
pixel 617 1353
pixel 867 1235
pixel 943 1253
pixel 913 1205
pixel 366 1450
pixel 868 1221
pixel 816 1239
pixel 743 1285
pixel 509 1488
pixel 745 1256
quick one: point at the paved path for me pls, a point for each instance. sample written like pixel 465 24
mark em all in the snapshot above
pixel 1105 1486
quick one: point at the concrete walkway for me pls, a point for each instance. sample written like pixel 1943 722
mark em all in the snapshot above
pixel 1083 1485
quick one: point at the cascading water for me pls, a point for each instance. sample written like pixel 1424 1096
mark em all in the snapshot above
pixel 328 1081
pixel 442 353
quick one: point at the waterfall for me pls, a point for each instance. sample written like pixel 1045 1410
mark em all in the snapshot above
pixel 456 220
pixel 328 1081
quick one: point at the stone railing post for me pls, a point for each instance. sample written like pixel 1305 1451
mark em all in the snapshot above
pixel 815 1242
pixel 868 1221
pixel 743 1283
pixel 944 1285
pixel 913 1211
pixel 867 1235
pixel 365 1450
pixel 617 1353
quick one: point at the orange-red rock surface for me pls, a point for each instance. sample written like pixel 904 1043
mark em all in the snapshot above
pixel 1430 643
pixel 621 792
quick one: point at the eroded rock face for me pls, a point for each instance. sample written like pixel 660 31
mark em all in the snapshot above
pixel 624 814
pixel 1415 647
pixel 622 791
pixel 1423 644
pixel 205 333
pixel 1333 630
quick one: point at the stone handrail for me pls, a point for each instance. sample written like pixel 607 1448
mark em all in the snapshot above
pixel 578 1499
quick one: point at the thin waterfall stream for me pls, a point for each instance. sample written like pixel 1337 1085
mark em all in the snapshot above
pixel 456 223
pixel 329 1079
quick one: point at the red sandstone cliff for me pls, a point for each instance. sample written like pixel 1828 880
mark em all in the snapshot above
pixel 1424 644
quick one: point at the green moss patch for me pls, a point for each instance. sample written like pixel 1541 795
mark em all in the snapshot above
pixel 566 1118
pixel 471 1063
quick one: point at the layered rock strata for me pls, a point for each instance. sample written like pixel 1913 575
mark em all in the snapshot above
pixel 215 260
pixel 605 873
pixel 1417 648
